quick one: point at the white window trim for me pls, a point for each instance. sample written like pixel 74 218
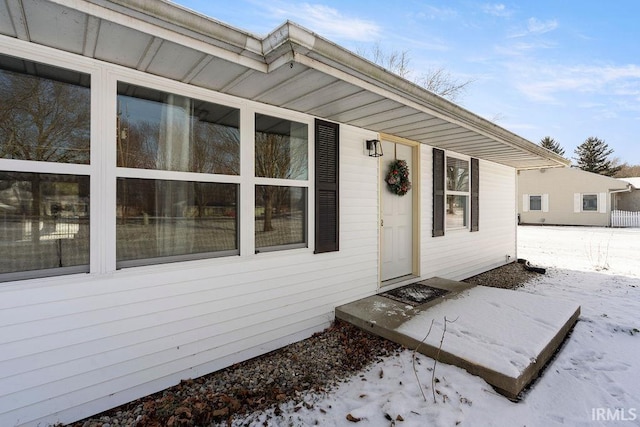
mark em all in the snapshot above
pixel 544 202
pixel 302 183
pixel 601 202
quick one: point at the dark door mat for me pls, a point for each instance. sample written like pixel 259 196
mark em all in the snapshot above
pixel 415 294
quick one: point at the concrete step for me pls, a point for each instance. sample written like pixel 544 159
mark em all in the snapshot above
pixel 505 337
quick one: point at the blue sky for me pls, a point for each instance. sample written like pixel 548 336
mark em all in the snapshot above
pixel 565 69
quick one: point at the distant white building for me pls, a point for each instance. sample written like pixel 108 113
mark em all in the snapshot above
pixel 569 196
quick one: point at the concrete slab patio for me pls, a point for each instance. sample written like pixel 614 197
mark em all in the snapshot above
pixel 503 336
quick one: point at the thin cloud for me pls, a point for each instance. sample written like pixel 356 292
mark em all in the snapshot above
pixel 535 27
pixel 540 27
pixel 437 13
pixel 497 9
pixel 547 83
pixel 327 21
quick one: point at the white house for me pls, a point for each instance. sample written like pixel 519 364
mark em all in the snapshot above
pixel 177 195
pixel 568 196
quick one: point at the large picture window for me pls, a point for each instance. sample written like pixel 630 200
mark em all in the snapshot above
pixel 281 153
pixel 44 205
pixel 457 193
pixel 162 220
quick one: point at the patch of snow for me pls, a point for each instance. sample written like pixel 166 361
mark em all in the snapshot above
pixel 476 331
pixel 592 380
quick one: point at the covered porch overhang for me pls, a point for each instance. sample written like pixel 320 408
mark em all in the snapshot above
pixel 291 68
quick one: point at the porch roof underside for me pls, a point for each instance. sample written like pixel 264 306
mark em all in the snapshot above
pixel 290 68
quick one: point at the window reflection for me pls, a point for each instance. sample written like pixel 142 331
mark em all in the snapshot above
pixel 158 130
pixel 457 174
pixel 457 211
pixel 281 148
pixel 159 218
pixel 281 214
pixel 44 221
pixel 44 114
pixel 590 202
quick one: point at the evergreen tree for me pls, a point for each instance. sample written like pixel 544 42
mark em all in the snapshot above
pixel 551 144
pixel 593 156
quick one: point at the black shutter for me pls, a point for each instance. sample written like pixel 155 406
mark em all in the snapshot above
pixel 475 194
pixel 327 185
pixel 438 192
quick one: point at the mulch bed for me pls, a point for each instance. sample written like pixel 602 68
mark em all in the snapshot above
pixel 315 364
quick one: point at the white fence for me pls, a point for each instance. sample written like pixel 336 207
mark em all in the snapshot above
pixel 625 219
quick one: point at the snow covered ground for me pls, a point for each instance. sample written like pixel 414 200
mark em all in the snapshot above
pixel 594 380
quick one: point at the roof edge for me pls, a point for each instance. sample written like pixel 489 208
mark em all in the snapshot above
pixel 310 44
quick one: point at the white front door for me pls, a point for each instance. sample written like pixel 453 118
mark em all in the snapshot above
pixel 397 217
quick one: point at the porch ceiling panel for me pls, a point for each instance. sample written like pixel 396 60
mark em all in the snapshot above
pixel 174 61
pixel 291 68
pixel 412 118
pixel 121 45
pixel 217 74
pixel 256 83
pixel 56 27
pixel 332 109
pixel 6 25
pixel 390 115
pixel 421 121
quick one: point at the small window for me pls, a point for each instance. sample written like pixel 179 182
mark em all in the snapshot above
pixel 535 203
pixel 281 148
pixel 281 211
pixel 590 202
pixel 458 195
pixel 281 217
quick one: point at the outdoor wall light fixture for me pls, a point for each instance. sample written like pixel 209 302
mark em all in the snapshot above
pixel 375 148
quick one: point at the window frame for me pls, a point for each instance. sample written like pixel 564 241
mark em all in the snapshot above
pixel 466 194
pixel 285 182
pixel 76 169
pixel 171 175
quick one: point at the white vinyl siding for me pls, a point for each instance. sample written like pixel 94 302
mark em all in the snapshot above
pixel 456 255
pixel 79 344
